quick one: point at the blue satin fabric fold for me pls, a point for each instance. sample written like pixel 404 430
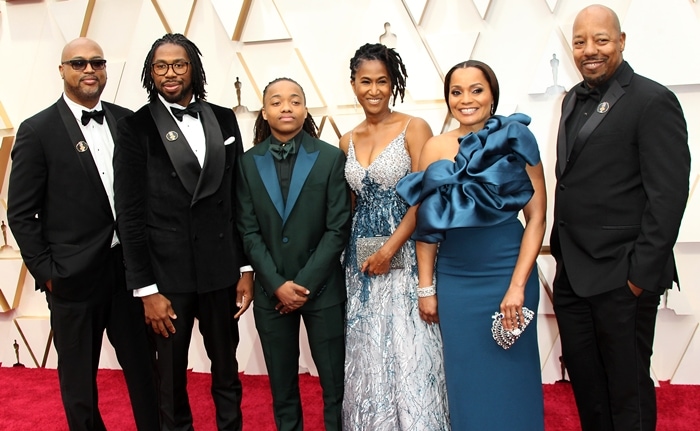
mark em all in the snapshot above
pixel 485 185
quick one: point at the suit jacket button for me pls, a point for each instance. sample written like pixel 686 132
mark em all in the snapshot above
pixel 562 187
pixel 285 240
pixel 173 174
pixel 562 223
pixel 221 235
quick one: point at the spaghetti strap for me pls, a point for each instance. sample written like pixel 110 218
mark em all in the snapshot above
pixel 405 127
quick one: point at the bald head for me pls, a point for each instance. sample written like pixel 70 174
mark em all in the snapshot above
pixel 599 13
pixel 79 45
pixel 598 43
pixel 83 71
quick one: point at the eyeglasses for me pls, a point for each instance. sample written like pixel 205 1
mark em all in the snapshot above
pixel 82 64
pixel 179 67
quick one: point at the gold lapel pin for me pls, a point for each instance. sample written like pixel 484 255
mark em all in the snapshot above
pixel 81 146
pixel 603 107
pixel 171 136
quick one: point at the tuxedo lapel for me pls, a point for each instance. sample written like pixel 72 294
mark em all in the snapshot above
pixel 268 174
pixel 305 161
pixel 609 99
pixel 111 121
pixel 179 151
pixel 213 169
pixel 561 137
pixel 81 148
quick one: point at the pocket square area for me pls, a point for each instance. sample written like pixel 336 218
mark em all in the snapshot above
pixel 230 140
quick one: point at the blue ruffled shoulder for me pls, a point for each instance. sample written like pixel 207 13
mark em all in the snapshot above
pixel 485 185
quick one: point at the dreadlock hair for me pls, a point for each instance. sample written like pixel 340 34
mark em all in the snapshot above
pixel 262 128
pixel 488 74
pixel 199 78
pixel 392 61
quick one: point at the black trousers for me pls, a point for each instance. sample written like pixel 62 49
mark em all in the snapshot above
pixel 607 344
pixel 78 328
pixel 279 337
pixel 215 311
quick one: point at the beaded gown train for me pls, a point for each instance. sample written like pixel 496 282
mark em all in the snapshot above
pixel 394 378
pixel 470 206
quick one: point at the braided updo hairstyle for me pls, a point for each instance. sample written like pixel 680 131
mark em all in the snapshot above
pixel 392 61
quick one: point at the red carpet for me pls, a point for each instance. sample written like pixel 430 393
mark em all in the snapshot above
pixel 30 401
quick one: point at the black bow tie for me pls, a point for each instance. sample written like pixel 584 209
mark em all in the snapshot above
pixel 583 93
pixel 98 116
pixel 281 151
pixel 191 110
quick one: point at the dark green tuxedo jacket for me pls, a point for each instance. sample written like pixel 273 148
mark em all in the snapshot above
pixel 302 240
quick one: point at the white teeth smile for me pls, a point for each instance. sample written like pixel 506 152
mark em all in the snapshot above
pixel 468 111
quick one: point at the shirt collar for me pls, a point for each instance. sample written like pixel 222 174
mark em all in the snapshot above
pixel 297 140
pixel 78 109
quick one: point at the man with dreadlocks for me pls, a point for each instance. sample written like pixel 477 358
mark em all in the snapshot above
pixel 295 220
pixel 174 185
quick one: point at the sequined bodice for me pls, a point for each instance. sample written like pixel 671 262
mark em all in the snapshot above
pixel 378 208
pixel 392 164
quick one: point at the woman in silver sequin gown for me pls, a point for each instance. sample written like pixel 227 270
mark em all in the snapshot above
pixel 394 377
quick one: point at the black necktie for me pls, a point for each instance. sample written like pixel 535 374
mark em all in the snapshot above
pixel 281 151
pixel 98 116
pixel 583 93
pixel 191 110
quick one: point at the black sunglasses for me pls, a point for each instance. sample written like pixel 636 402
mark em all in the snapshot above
pixel 82 64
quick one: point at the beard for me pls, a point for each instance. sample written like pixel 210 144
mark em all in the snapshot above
pixel 177 97
pixel 85 94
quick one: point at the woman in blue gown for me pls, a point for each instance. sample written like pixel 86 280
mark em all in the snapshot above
pixel 475 181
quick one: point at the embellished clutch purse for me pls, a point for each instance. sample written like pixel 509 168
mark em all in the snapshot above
pixel 367 246
pixel 505 338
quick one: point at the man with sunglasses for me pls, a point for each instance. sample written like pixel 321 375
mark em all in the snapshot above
pixel 174 192
pixel 61 212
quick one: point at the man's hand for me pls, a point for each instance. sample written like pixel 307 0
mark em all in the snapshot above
pixel 291 296
pixel 635 290
pixel 244 293
pixel 159 313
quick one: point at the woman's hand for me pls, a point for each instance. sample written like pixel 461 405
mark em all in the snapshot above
pixel 427 309
pixel 378 263
pixel 512 308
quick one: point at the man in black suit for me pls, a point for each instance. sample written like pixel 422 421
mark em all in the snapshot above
pixel 174 193
pixel 61 212
pixel 622 185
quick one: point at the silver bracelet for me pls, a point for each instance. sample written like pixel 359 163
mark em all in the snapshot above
pixel 424 292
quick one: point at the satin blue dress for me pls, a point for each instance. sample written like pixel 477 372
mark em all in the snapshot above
pixel 470 208
pixel 394 375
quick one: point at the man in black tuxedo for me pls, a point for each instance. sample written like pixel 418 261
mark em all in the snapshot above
pixel 622 171
pixel 174 194
pixel 61 212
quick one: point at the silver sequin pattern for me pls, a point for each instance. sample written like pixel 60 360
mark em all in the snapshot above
pixel 394 376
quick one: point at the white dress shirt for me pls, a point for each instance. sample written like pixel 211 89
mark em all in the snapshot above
pixel 99 141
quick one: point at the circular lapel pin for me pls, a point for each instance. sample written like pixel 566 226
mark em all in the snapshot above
pixel 171 135
pixel 81 146
pixel 603 107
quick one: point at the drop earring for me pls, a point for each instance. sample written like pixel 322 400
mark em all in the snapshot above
pixel 492 109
